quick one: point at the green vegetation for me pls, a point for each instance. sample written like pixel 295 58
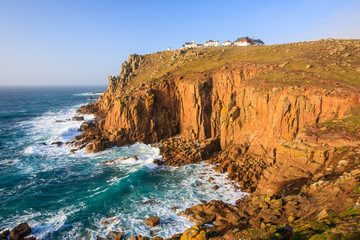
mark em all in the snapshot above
pixel 309 63
pixel 345 226
pixel 351 125
pixel 357 188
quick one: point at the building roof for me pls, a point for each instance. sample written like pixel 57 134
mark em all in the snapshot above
pixel 242 39
pixel 258 41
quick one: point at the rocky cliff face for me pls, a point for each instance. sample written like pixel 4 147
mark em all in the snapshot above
pixel 218 104
pixel 234 103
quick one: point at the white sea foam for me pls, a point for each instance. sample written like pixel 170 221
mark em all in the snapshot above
pixel 88 94
pixel 181 194
pixel 180 189
pixel 43 223
pixel 9 162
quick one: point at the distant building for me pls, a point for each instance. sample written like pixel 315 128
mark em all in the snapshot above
pixel 227 43
pixel 211 43
pixel 191 44
pixel 169 48
pixel 243 41
pixel 246 41
pixel 258 42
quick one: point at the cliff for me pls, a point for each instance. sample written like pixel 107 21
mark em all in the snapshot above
pixel 289 108
pixel 216 93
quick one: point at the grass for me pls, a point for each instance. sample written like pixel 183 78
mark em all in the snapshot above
pixel 357 188
pixel 333 227
pixel 351 125
pixel 335 68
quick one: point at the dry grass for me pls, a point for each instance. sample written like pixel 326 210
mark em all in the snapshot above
pixel 336 61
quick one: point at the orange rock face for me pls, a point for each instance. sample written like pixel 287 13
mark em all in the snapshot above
pixel 217 104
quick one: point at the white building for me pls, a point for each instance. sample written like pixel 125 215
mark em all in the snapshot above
pixel 211 43
pixel 227 43
pixel 246 41
pixel 243 41
pixel 191 44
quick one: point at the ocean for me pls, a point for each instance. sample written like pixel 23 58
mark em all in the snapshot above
pixel 64 195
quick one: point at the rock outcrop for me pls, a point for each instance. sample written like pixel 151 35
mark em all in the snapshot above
pixel 20 231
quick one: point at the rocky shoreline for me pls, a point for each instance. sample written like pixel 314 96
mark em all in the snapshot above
pixel 325 187
pixel 286 133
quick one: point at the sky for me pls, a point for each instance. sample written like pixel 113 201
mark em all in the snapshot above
pixel 81 42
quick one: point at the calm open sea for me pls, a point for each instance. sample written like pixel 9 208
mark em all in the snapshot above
pixel 65 195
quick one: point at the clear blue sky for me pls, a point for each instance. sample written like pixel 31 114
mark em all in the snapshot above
pixel 74 42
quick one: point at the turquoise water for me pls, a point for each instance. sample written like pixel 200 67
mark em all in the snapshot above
pixel 65 195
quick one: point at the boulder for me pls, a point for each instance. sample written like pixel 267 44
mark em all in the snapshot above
pixel 343 163
pixel 78 118
pixel 153 221
pixel 95 146
pixel 4 234
pixel 283 64
pixel 58 143
pixel 323 214
pixel 139 237
pixel 115 235
pixel 355 173
pixel 20 231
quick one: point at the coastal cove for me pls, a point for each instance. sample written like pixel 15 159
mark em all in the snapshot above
pixel 65 195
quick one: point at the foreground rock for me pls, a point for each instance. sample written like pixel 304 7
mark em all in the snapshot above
pixel 243 168
pixel 4 234
pixel 194 233
pixel 178 151
pixel 115 235
pixel 20 231
pixel 139 238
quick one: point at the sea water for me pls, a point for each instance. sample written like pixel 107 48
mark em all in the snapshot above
pixel 64 195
